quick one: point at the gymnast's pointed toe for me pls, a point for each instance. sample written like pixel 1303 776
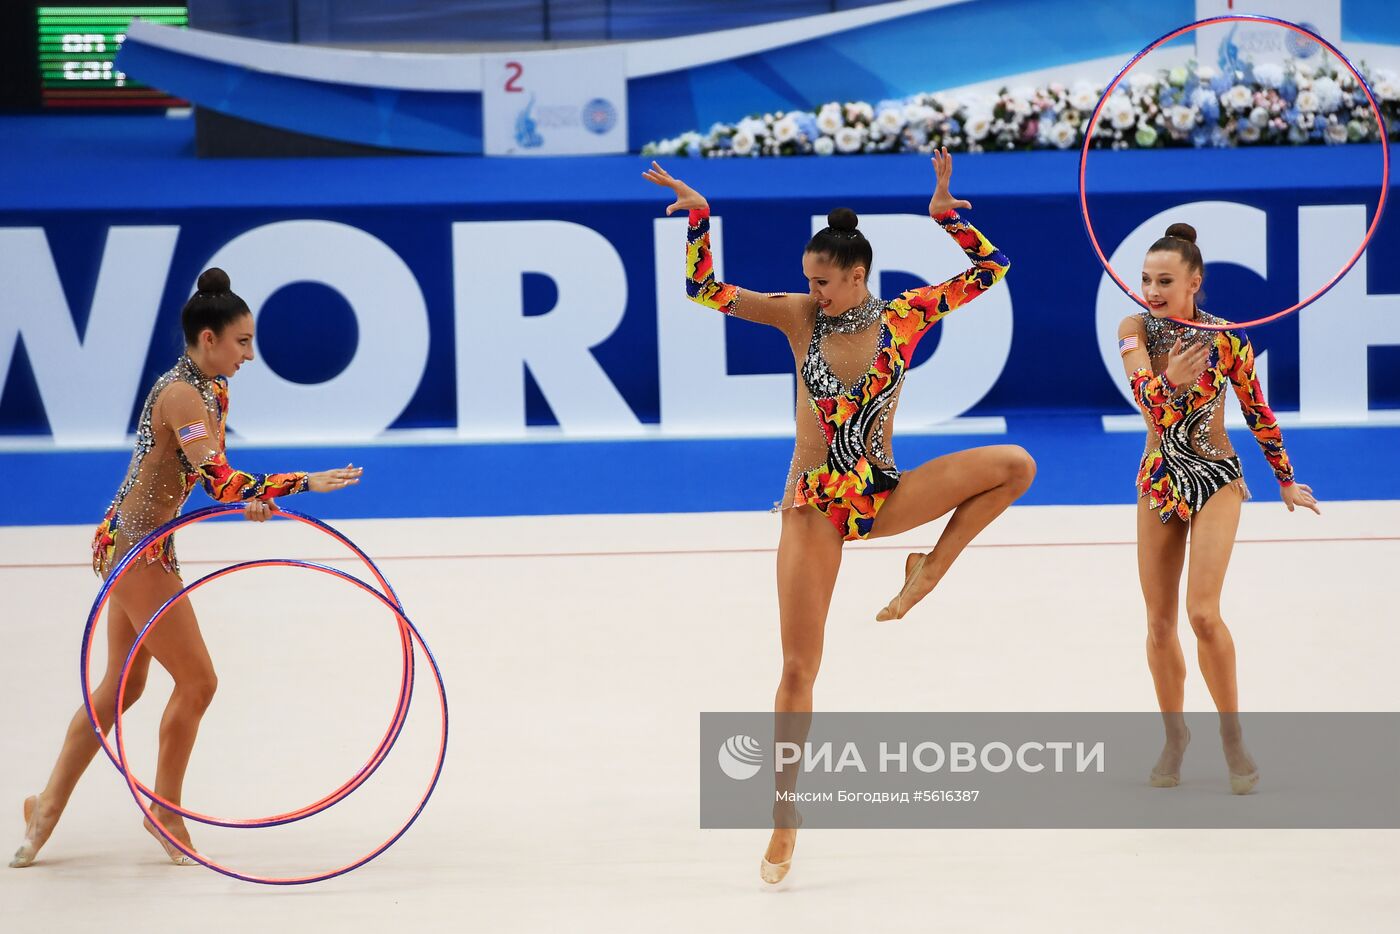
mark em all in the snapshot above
pixel 773 873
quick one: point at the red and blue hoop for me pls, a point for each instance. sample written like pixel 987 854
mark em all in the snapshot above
pixel 360 777
pixel 408 635
pixel 1237 18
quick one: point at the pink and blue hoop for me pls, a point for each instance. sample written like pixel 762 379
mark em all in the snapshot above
pixel 1237 18
pixel 139 796
pixel 360 777
pixel 408 636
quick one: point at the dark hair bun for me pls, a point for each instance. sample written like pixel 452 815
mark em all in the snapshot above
pixel 842 219
pixel 213 281
pixel 1182 232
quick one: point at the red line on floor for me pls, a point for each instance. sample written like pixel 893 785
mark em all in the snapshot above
pixel 723 551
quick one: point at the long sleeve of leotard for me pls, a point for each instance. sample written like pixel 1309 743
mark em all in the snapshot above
pixel 1163 403
pixel 189 420
pixel 700 283
pixel 915 311
pixel 1257 414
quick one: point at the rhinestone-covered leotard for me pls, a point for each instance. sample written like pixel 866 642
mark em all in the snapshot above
pixel 1188 457
pixel 179 443
pixel 851 368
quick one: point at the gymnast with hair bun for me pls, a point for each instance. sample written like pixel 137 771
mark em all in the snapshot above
pixel 1190 478
pixel 851 350
pixel 179 444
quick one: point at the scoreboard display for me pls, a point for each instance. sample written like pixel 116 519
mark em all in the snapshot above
pixel 77 45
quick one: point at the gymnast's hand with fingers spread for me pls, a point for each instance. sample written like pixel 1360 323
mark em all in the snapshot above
pixel 1299 494
pixel 687 198
pixel 943 202
pixel 1184 366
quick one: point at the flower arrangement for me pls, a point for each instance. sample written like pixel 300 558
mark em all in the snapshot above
pixel 1187 106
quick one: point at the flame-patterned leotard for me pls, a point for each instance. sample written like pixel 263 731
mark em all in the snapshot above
pixel 179 443
pixel 852 366
pixel 1188 456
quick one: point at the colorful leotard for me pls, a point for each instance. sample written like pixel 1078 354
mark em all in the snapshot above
pixel 852 366
pixel 179 443
pixel 1188 456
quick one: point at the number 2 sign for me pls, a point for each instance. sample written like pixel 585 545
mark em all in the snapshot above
pixel 575 102
pixel 514 70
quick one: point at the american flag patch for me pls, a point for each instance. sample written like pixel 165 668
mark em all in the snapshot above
pixel 1127 344
pixel 193 432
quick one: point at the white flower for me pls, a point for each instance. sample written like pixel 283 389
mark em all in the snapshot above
pixel 823 146
pixel 742 143
pixel 754 126
pixel 667 147
pixel 1182 118
pixel 1259 117
pixel 978 125
pixel 850 138
pixel 1249 133
pixel 691 140
pixel 1121 114
pixel 829 119
pixel 1063 134
pixel 919 113
pixel 1387 85
pixel 1329 94
pixel 891 120
pixel 1207 73
pixel 1269 74
pixel 1177 76
pixel 1021 100
pixel 1142 82
pixel 1307 101
pixel 785 130
pixel 1083 96
pixel 1336 133
pixel 859 110
pixel 1238 97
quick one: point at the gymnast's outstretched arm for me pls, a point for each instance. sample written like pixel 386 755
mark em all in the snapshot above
pixel 784 311
pixel 186 416
pixel 917 310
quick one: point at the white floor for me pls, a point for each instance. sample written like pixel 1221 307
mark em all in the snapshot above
pixel 579 651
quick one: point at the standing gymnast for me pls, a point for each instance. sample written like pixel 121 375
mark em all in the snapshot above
pixel 1191 478
pixel 851 351
pixel 179 443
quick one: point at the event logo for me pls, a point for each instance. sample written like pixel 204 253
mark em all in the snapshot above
pixel 599 116
pixel 527 135
pixel 740 757
pixel 1254 45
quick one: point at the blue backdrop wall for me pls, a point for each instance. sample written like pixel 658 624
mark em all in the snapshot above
pixel 495 301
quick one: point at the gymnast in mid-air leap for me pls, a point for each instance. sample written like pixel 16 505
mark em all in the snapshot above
pixel 179 444
pixel 851 350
